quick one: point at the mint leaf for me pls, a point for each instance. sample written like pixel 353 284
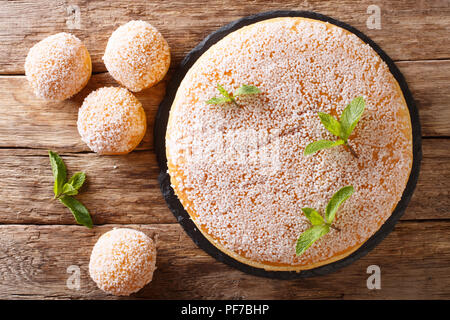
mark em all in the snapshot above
pixel 77 180
pixel 350 116
pixel 246 89
pixel 330 123
pixel 227 97
pixel 320 226
pixel 342 128
pixel 59 172
pixel 79 211
pixel 63 191
pixel 224 93
pixel 336 200
pixel 307 238
pixel 69 190
pixel 313 216
pixel 219 100
pixel 315 146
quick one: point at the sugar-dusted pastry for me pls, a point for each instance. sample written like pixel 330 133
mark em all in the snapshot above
pixel 123 261
pixel 58 67
pixel 239 169
pixel 137 55
pixel 111 121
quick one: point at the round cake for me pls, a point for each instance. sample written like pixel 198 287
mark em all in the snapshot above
pixel 239 169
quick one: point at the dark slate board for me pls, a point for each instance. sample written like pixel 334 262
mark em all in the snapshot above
pixel 184 218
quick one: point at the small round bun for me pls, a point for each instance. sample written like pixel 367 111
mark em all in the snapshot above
pixel 58 67
pixel 137 55
pixel 122 261
pixel 111 121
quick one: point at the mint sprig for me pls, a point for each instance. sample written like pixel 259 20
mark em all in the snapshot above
pixel 59 172
pixel 64 190
pixel 230 97
pixel 320 225
pixel 342 128
pixel 72 186
pixel 79 211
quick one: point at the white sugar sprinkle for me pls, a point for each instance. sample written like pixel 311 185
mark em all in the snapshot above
pixel 137 55
pixel 122 261
pixel 58 67
pixel 111 121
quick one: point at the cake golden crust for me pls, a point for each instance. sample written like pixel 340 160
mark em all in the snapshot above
pixel 240 172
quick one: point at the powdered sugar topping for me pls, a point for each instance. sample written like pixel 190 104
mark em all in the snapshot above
pixel 123 261
pixel 137 55
pixel 58 66
pixel 111 121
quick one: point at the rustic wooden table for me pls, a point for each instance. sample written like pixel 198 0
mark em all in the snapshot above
pixel 39 240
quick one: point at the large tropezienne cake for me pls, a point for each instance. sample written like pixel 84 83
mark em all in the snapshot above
pixel 240 172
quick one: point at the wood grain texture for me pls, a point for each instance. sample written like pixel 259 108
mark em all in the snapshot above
pixel 38 238
pixel 410 30
pixel 413 259
pixel 124 189
pixel 431 93
pixel 118 189
pixel 28 122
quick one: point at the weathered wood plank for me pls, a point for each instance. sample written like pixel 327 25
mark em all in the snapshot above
pixel 120 189
pixel 410 30
pixel 430 88
pixel 124 189
pixel 27 122
pixel 413 259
